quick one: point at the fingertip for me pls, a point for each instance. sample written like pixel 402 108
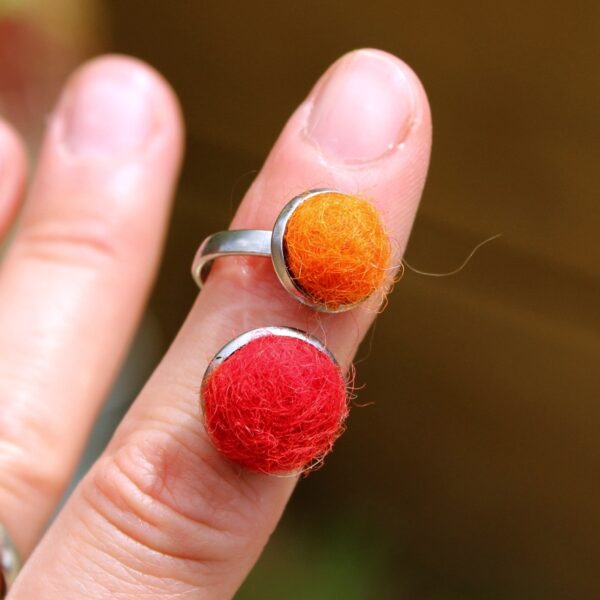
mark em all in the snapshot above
pixel 365 128
pixel 115 107
pixel 148 77
pixel 394 60
pixel 422 111
pixel 370 122
pixel 134 69
pixel 367 104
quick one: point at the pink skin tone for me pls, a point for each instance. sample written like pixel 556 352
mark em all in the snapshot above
pixel 162 513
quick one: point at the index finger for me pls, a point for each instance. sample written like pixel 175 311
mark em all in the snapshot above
pixel 163 512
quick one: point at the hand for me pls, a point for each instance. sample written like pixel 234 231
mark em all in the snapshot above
pixel 161 513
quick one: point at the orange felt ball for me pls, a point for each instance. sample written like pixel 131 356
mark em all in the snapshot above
pixel 337 250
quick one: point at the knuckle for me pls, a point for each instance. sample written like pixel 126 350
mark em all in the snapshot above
pixel 26 478
pixel 81 242
pixel 164 498
pixel 24 437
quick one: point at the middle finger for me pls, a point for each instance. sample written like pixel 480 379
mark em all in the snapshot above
pixel 74 281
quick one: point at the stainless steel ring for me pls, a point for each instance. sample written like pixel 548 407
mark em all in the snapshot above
pixel 9 562
pixel 254 242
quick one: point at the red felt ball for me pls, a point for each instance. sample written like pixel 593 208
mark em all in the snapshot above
pixel 276 405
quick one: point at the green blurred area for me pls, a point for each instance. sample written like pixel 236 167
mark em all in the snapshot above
pixel 343 558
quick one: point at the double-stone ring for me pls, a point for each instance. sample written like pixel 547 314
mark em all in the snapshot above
pixel 274 399
pixel 329 250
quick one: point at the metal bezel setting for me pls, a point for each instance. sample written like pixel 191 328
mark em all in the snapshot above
pixel 255 242
pixel 241 340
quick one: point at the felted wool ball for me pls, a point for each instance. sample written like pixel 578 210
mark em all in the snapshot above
pixel 275 405
pixel 336 249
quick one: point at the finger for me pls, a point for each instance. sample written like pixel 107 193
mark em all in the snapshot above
pixel 77 274
pixel 13 170
pixel 162 512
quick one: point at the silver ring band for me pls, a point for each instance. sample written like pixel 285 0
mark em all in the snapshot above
pixel 248 242
pixel 9 562
pixel 256 242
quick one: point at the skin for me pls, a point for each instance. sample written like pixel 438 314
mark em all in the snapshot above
pixel 161 513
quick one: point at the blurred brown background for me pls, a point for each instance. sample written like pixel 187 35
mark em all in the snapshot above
pixel 476 472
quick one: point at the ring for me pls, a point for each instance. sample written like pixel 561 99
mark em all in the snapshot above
pixel 9 562
pixel 274 400
pixel 329 249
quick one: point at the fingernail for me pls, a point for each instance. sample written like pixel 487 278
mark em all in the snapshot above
pixel 108 111
pixel 364 108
